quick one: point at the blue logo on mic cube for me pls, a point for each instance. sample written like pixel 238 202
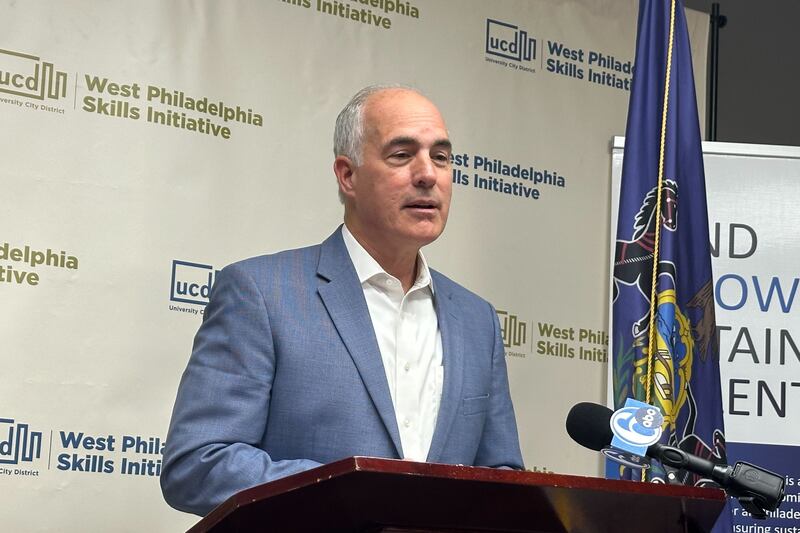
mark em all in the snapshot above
pixel 636 426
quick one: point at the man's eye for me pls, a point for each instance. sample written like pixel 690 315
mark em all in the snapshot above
pixel 400 155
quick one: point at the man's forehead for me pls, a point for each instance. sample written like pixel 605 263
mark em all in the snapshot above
pixel 393 93
pixel 400 103
pixel 401 109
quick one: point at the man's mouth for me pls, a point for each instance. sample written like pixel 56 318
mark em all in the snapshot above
pixel 422 204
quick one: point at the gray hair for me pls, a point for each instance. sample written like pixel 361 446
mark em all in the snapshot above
pixel 348 136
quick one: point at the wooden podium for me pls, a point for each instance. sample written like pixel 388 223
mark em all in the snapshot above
pixel 385 495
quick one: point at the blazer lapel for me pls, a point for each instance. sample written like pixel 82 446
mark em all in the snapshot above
pixel 344 300
pixel 453 360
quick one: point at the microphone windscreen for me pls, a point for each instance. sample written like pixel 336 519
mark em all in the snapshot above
pixel 589 424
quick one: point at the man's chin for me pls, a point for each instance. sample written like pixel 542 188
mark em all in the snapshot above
pixel 425 236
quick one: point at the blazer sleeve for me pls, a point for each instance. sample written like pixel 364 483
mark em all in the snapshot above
pixel 499 445
pixel 222 407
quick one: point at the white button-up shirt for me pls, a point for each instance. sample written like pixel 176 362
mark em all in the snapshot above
pixel 407 331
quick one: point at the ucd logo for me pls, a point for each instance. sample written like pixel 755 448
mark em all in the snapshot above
pixel 27 75
pixel 18 442
pixel 509 42
pixel 515 331
pixel 191 282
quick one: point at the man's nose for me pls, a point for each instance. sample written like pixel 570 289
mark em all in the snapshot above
pixel 424 171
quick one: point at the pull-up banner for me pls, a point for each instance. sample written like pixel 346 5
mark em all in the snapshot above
pixel 753 191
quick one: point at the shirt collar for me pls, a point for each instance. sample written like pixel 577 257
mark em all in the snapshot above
pixel 367 267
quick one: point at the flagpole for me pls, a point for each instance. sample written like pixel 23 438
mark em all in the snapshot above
pixel 657 213
pixel 716 21
pixel 653 289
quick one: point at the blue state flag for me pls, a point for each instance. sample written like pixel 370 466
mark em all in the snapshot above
pixel 664 340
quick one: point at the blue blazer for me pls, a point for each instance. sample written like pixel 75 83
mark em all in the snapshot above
pixel 286 374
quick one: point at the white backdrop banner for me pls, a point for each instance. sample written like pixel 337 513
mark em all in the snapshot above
pixel 147 145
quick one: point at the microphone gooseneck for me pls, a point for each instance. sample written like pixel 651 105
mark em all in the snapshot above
pixel 758 489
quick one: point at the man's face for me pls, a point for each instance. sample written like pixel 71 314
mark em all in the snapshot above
pixel 400 194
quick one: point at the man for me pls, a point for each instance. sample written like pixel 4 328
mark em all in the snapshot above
pixel 351 347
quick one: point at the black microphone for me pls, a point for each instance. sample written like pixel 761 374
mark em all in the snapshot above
pixel 589 424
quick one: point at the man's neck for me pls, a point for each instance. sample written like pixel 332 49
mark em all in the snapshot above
pixel 400 263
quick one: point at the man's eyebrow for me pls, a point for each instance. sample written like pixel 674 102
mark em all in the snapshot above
pixel 400 141
pixel 444 143
pixel 406 140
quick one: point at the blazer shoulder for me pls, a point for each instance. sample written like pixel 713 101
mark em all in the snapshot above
pixel 295 260
pixel 304 254
pixel 297 263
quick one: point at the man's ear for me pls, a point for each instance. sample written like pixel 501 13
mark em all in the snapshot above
pixel 344 169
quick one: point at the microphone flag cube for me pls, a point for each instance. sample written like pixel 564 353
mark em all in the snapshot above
pixel 636 426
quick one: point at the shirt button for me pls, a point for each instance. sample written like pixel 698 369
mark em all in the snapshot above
pixel 407 367
pixel 389 282
pixel 407 422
